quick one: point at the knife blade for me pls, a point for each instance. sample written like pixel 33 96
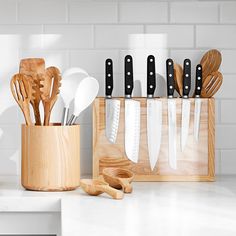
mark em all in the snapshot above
pixel 112 105
pixel 197 108
pixel 185 102
pixel 154 114
pixel 132 114
pixel 171 114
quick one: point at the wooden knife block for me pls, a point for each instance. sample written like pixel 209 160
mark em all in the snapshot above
pixel 50 157
pixel 196 163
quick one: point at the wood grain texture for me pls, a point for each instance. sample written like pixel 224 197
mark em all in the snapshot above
pixel 178 77
pixel 50 157
pixel 192 164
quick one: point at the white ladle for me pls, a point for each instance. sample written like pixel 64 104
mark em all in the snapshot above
pixel 71 78
pixel 85 94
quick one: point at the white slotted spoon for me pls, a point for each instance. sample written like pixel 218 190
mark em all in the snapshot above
pixel 86 92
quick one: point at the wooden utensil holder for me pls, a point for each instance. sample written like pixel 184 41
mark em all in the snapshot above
pixel 196 163
pixel 50 157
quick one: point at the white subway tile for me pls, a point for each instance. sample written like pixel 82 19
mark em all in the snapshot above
pixel 86 136
pixel 228 111
pixel 228 162
pixel 228 61
pixel 227 89
pixel 219 36
pixel 92 12
pixel 225 137
pixel 9 136
pixel 217 162
pixel 227 12
pixel 51 11
pixel 8 12
pixel 116 36
pixel 174 35
pixel 143 12
pixel 194 12
pixel 67 36
pixel 86 160
pixel 217 111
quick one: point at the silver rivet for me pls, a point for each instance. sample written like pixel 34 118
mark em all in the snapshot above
pixel 151 60
pixel 186 87
pixel 128 86
pixel 151 73
pixel 169 63
pixel 171 87
pixel 109 75
pixel 199 78
pixel 151 86
pixel 170 75
pixel 128 60
pixel 128 73
pixel 198 88
pixel 187 75
pixel 187 63
pixel 199 68
pixel 109 63
pixel 109 86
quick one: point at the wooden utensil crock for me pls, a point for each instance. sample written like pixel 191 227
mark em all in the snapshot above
pixel 50 157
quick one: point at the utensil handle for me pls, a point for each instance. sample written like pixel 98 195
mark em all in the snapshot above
pixel 114 193
pixel 198 86
pixel 126 186
pixel 109 77
pixel 186 77
pixel 151 75
pixel 72 120
pixel 129 83
pixel 65 116
pixel 170 77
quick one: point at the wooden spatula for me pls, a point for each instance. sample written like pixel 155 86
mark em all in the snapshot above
pixel 22 92
pixel 50 85
pixel 96 187
pixel 211 84
pixel 32 67
pixel 178 77
pixel 210 62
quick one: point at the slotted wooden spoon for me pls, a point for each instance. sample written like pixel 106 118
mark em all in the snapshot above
pixel 22 92
pixel 178 77
pixel 210 62
pixel 211 84
pixel 50 85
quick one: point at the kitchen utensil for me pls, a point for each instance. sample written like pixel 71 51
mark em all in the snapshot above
pixel 86 92
pixel 112 105
pixel 211 84
pixel 96 187
pixel 154 114
pixel 210 62
pixel 197 108
pixel 50 85
pixel 119 178
pixel 178 77
pixel 171 113
pixel 31 67
pixel 132 114
pixel 185 102
pixel 22 92
pixel 71 78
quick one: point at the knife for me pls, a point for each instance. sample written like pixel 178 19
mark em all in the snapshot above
pixel 132 114
pixel 154 114
pixel 185 102
pixel 197 108
pixel 112 105
pixel 171 113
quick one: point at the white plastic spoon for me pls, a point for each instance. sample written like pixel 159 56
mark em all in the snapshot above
pixel 85 94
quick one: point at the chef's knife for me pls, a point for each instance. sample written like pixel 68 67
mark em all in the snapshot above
pixel 197 108
pixel 132 114
pixel 112 105
pixel 154 114
pixel 185 102
pixel 171 113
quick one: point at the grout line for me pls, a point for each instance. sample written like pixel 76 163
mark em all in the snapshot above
pixel 168 12
pixel 194 36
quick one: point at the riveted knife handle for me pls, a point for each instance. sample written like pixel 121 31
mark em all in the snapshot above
pixel 186 77
pixel 129 83
pixel 151 75
pixel 109 77
pixel 170 77
pixel 198 85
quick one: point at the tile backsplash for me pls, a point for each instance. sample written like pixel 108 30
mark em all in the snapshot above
pixel 84 33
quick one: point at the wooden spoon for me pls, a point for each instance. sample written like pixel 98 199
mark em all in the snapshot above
pixel 210 62
pixel 96 187
pixel 119 178
pixel 211 84
pixel 50 85
pixel 22 92
pixel 178 77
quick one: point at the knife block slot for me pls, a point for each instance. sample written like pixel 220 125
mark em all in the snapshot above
pixel 50 157
pixel 195 163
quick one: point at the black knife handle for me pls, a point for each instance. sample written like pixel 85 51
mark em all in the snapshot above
pixel 109 77
pixel 129 83
pixel 151 75
pixel 170 77
pixel 186 77
pixel 198 85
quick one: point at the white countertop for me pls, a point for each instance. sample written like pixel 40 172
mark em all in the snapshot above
pixel 165 209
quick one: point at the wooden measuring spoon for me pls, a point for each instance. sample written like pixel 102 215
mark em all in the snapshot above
pixel 32 67
pixel 210 62
pixel 50 85
pixel 96 187
pixel 22 92
pixel 178 77
pixel 211 84
pixel 119 178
